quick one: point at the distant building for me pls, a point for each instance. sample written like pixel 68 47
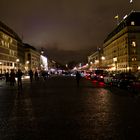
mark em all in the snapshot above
pixel 94 60
pixel 9 43
pixel 32 58
pixel 121 48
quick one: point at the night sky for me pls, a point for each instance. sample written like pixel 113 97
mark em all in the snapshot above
pixel 68 25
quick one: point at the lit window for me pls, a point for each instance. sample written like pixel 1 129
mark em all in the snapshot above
pixel 134 44
pixel 2 42
pixel 132 23
pixel 134 59
pixel 11 40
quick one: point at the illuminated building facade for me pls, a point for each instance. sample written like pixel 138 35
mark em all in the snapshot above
pixel 9 41
pixel 95 60
pixel 121 48
pixel 44 63
pixel 32 58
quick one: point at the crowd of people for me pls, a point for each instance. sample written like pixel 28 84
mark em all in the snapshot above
pixel 11 77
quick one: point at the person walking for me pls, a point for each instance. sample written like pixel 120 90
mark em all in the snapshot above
pixel 19 78
pixel 31 75
pixel 36 76
pixel 12 78
pixel 78 77
pixel 7 77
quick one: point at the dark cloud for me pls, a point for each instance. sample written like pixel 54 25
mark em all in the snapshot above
pixel 73 24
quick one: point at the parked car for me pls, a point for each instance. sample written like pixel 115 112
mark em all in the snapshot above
pixel 98 75
pixel 125 83
pixel 87 75
pixel 123 80
pixel 115 79
pixel 108 79
pixel 135 86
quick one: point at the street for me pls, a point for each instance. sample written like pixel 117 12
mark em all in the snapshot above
pixel 56 109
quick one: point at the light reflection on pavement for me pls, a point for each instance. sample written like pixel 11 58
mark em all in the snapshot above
pixel 58 109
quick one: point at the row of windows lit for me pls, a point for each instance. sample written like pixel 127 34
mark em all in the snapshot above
pixel 122 66
pixel 133 44
pixel 12 53
pixel 4 43
pixel 7 43
pixel 134 59
pixel 7 64
pixel 6 37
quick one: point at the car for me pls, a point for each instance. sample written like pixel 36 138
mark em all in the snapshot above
pixel 115 79
pixel 87 75
pixel 108 79
pixel 122 80
pixel 135 85
pixel 98 75
pixel 125 80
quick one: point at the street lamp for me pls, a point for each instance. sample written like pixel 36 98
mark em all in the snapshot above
pixel 17 60
pixel 27 67
pixel 102 61
pixel 103 58
pixel 42 52
pixel 27 62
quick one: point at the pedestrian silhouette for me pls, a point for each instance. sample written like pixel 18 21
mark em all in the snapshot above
pixel 44 75
pixel 19 78
pixel 7 77
pixel 12 78
pixel 78 77
pixel 36 76
pixel 31 75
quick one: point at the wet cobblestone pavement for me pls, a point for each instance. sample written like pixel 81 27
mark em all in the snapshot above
pixel 56 109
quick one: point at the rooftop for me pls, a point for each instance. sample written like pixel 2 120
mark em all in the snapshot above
pixel 133 16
